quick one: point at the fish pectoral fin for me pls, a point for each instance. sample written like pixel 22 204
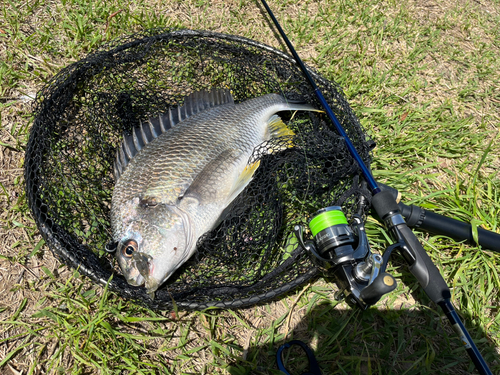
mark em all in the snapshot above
pixel 243 180
pixel 212 183
pixel 188 201
pixel 277 129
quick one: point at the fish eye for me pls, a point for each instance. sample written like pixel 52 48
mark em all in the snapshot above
pixel 128 248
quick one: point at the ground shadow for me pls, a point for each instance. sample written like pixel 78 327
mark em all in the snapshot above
pixel 415 340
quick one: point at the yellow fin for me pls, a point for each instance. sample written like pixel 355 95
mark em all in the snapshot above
pixel 243 180
pixel 277 127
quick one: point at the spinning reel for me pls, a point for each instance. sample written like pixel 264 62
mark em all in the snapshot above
pixel 341 250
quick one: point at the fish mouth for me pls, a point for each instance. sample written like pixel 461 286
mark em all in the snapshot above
pixel 136 281
pixel 142 263
pixel 151 285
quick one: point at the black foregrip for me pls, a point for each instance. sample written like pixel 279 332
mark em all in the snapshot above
pixel 424 270
pixel 456 229
pixel 384 203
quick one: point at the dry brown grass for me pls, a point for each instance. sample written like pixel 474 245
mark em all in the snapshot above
pixel 21 277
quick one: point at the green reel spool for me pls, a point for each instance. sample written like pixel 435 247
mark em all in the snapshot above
pixel 330 229
pixel 326 217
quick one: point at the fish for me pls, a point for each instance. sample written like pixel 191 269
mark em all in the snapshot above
pixel 177 173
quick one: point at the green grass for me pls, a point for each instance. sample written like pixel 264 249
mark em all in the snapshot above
pixel 424 80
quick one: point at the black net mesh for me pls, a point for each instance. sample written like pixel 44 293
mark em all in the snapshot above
pixel 252 255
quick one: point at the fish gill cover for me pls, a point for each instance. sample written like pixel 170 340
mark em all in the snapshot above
pixel 253 255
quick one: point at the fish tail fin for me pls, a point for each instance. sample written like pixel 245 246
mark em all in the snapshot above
pixel 298 105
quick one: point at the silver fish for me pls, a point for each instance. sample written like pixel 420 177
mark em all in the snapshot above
pixel 177 173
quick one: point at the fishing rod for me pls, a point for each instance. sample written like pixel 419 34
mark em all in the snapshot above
pixel 360 274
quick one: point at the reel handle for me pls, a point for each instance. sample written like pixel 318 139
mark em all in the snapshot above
pixel 384 283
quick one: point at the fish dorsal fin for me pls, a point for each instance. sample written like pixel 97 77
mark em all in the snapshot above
pixel 143 134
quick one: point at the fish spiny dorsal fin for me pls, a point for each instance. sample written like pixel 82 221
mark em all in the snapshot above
pixel 151 129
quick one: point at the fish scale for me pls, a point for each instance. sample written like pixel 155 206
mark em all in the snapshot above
pixel 192 147
pixel 175 185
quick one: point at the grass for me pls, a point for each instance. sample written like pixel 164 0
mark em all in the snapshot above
pixel 423 77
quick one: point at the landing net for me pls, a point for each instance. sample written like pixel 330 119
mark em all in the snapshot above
pixel 253 255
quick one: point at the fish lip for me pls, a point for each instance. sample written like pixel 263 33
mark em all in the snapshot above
pixel 136 281
pixel 143 263
pixel 152 285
